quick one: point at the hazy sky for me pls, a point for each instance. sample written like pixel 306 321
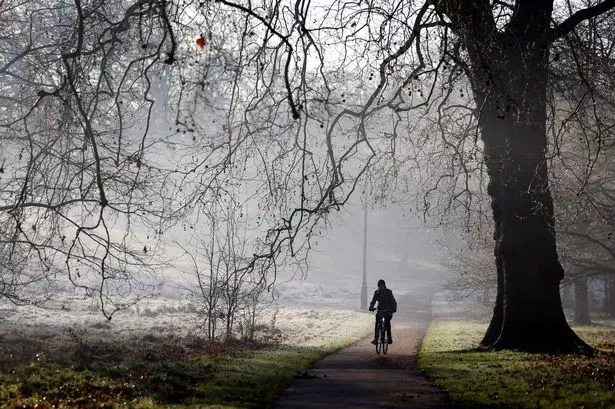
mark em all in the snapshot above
pixel 338 257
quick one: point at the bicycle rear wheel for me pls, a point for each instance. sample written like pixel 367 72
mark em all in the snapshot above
pixel 382 339
pixel 385 346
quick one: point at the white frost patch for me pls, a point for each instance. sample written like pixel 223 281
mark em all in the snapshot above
pixel 174 322
pixel 322 326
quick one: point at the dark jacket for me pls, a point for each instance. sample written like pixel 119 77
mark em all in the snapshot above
pixel 385 299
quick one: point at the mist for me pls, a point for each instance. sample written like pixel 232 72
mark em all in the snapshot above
pixel 403 248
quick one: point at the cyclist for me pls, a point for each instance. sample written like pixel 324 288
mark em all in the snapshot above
pixel 386 307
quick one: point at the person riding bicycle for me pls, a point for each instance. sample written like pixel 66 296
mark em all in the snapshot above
pixel 387 305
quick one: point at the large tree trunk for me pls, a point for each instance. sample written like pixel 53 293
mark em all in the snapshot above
pixel 528 314
pixel 495 326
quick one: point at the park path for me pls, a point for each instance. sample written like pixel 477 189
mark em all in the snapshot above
pixel 356 377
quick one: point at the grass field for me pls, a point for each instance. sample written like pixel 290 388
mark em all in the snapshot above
pixel 154 357
pixel 502 380
pixel 45 370
pixel 150 375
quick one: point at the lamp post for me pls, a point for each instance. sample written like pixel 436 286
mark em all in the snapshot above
pixel 364 285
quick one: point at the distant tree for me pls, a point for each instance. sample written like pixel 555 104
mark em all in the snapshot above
pixel 581 307
pixel 609 295
pixel 582 173
pixel 207 294
pixel 471 265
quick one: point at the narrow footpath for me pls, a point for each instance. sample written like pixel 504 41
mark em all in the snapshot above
pixel 356 377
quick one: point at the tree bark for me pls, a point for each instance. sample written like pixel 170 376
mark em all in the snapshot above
pixel 528 314
pixel 581 302
pixel 495 325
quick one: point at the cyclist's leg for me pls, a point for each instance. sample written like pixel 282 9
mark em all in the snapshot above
pixel 387 323
pixel 378 318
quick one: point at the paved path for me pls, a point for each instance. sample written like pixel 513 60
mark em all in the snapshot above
pixel 356 377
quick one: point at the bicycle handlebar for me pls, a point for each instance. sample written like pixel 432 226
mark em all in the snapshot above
pixel 385 310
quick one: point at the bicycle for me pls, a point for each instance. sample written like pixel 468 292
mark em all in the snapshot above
pixel 382 342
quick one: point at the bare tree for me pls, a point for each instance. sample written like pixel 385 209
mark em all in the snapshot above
pixel 582 175
pixel 471 264
pixel 207 294
pixel 225 291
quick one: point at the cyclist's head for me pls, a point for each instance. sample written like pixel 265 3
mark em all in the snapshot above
pixel 381 284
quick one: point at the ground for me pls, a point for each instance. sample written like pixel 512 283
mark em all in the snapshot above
pixel 354 376
pixel 357 377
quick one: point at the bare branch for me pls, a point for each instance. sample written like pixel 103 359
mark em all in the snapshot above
pixel 569 24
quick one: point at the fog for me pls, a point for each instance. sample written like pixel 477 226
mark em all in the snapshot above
pixel 403 249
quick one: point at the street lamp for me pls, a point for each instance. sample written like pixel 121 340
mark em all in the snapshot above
pixel 364 285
